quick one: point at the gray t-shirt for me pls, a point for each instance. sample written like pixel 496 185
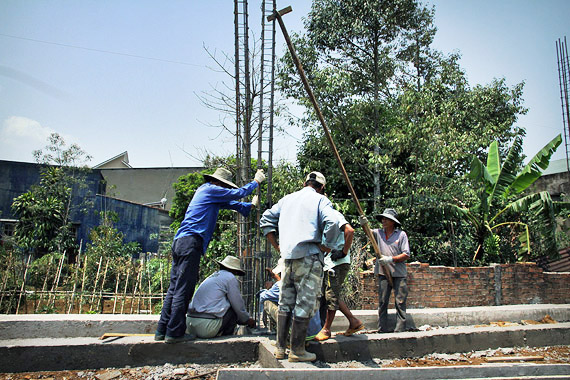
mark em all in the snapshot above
pixel 393 246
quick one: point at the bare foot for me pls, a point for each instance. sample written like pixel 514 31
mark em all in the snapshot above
pixel 324 334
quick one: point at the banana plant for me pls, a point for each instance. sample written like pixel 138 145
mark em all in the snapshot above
pixel 499 183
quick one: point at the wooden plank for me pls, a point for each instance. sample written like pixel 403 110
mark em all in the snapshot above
pixel 120 335
pixel 515 359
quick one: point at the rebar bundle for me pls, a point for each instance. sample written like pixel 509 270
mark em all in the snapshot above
pixel 564 80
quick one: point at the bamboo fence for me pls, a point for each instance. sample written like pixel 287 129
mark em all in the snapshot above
pixel 71 289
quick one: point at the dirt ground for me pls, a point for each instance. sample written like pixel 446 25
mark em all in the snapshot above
pixel 538 355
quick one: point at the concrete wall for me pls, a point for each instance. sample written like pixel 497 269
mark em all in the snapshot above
pixel 145 185
pixel 504 284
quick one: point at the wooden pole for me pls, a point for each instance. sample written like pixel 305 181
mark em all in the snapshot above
pixel 44 284
pixel 149 289
pixel 95 284
pixel 102 286
pixel 363 220
pixel 69 310
pixel 56 281
pixel 116 292
pixel 6 275
pixel 23 283
pixel 82 286
pixel 125 292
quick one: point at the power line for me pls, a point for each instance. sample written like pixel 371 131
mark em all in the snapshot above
pixel 100 51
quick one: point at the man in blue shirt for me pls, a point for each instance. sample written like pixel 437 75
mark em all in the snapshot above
pixel 302 218
pixel 191 241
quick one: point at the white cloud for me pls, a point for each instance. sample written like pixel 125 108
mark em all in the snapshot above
pixel 17 128
pixel 19 136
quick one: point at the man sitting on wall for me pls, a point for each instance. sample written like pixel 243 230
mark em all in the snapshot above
pixel 217 306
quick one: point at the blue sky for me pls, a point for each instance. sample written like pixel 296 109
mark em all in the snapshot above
pixel 121 75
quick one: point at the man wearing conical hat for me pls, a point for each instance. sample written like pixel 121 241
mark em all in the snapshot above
pixel 393 243
pixel 218 307
pixel 191 241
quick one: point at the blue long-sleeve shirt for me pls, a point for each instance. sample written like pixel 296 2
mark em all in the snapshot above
pixel 302 218
pixel 202 212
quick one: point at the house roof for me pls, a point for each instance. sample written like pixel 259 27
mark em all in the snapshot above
pixel 119 161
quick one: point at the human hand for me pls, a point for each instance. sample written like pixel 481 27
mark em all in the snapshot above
pixel 255 201
pixel 362 220
pixel 259 176
pixel 337 254
pixel 386 260
pixel 251 323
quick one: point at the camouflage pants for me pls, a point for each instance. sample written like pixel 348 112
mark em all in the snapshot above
pixel 301 286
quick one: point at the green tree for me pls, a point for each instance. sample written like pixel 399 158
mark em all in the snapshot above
pixel 404 117
pixel 499 203
pixel 44 212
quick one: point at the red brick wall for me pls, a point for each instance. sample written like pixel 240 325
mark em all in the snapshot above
pixel 505 284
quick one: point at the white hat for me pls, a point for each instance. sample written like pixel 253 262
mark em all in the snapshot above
pixel 280 266
pixel 233 263
pixel 317 176
pixel 222 175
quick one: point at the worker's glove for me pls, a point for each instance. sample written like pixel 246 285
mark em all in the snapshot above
pixel 259 176
pixel 337 254
pixel 363 220
pixel 386 260
pixel 255 201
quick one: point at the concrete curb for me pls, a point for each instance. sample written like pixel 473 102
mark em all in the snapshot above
pixel 94 325
pixel 417 344
pixel 90 353
pixel 30 326
pixel 518 371
pixel 363 347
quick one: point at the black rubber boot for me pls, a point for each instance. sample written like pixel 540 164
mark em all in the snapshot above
pixel 298 335
pixel 283 326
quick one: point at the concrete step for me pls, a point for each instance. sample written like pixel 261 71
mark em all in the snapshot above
pixel 95 325
pixel 38 354
pixel 494 371
pixel 364 347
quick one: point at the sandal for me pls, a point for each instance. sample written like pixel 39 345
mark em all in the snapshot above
pixel 350 331
pixel 321 336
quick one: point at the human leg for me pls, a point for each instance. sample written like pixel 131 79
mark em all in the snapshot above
pixel 167 303
pixel 384 290
pixel 186 255
pixel 307 275
pixel 330 305
pixel 287 297
pixel 400 297
pixel 229 323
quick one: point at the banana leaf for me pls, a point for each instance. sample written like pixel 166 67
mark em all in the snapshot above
pixel 533 170
pixel 494 161
pixel 508 172
pixel 480 173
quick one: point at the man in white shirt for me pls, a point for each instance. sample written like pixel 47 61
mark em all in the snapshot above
pixel 301 219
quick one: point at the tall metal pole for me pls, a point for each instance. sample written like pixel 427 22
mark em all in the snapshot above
pixel 563 73
pixel 365 226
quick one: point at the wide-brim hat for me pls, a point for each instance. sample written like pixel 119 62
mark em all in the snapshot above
pixel 391 214
pixel 233 263
pixel 222 175
pixel 280 267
